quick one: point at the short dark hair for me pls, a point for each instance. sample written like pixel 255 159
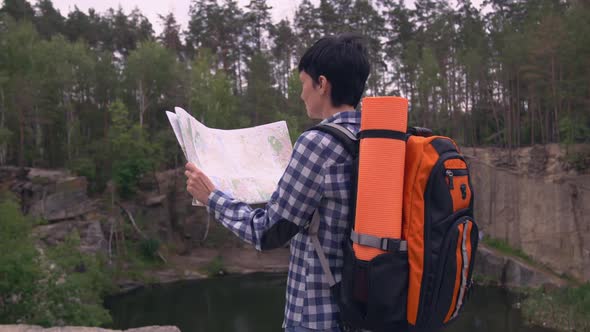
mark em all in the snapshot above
pixel 343 60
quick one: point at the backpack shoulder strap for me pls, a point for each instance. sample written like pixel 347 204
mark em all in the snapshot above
pixel 315 241
pixel 350 143
pixel 348 139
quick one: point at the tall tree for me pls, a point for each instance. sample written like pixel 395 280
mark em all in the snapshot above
pixel 211 99
pixel 256 22
pixel 149 72
pixel 230 53
pixel 330 22
pixel 365 20
pixel 260 97
pixel 18 9
pixel 282 51
pixel 48 20
pixel 203 26
pixel 306 25
pixel 18 48
pixel 128 31
pixel 170 36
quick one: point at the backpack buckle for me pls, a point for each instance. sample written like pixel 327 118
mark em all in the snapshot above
pixel 385 244
pixel 393 245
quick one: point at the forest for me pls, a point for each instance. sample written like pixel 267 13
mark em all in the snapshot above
pixel 87 91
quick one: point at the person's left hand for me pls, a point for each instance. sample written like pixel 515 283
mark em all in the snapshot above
pixel 198 184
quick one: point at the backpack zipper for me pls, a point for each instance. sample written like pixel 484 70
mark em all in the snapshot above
pixel 450 176
pixel 450 173
pixel 438 166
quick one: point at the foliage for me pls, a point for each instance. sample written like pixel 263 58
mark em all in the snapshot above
pixel 215 267
pixel 131 153
pixel 19 264
pixel 507 73
pixel 149 248
pixel 61 286
pixel 72 292
pixel 84 167
pixel 579 159
pixel 211 99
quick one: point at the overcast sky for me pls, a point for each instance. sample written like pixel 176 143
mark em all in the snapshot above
pixel 151 8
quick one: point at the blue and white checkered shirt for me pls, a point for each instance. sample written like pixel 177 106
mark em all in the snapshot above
pixel 317 177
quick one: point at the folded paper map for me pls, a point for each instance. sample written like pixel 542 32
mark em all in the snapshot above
pixel 244 163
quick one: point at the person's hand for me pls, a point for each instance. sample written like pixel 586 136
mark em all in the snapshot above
pixel 198 184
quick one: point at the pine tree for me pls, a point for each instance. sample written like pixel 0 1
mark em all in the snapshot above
pixel 284 43
pixel 48 20
pixel 170 36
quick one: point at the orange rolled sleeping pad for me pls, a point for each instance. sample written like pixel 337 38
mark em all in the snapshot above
pixel 381 173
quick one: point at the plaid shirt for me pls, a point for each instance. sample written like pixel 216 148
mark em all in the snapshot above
pixel 317 177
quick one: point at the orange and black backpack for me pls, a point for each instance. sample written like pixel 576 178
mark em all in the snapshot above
pixel 421 281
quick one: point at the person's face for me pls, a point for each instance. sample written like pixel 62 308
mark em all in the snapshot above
pixel 313 95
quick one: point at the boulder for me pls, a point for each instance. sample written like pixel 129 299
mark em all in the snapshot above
pixel 64 199
pixel 92 239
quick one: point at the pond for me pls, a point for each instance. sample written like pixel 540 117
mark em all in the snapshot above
pixel 248 303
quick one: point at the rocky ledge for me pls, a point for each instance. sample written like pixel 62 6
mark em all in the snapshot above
pixel 494 267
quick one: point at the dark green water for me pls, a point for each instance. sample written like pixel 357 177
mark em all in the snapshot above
pixel 255 303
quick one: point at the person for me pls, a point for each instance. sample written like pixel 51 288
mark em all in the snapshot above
pixel 333 73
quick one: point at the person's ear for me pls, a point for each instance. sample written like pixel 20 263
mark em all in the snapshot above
pixel 323 84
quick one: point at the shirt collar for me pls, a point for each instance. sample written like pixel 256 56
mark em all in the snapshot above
pixel 351 117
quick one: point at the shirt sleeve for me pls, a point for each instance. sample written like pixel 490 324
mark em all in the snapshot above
pixel 290 207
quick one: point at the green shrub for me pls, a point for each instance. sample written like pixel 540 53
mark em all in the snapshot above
pixel 149 248
pixel 61 287
pixel 75 287
pixel 215 267
pixel 579 160
pixel 84 167
pixel 19 264
pixel 131 152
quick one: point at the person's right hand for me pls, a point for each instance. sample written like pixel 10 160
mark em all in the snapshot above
pixel 198 184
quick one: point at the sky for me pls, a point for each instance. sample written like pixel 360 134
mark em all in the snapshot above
pixel 150 8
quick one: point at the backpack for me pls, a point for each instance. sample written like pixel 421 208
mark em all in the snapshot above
pixel 421 281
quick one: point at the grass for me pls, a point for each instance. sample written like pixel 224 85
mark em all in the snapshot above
pixel 505 248
pixel 484 280
pixel 215 267
pixel 563 309
pixel 135 265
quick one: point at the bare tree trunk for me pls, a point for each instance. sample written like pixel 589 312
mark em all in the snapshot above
pixel 141 103
pixel 3 146
pixel 532 113
pixel 508 118
pixel 105 119
pixel 21 108
pixel 517 113
pixel 38 133
pixel 541 123
pixel 555 127
pixel 69 124
pixel 494 109
pixel 239 72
